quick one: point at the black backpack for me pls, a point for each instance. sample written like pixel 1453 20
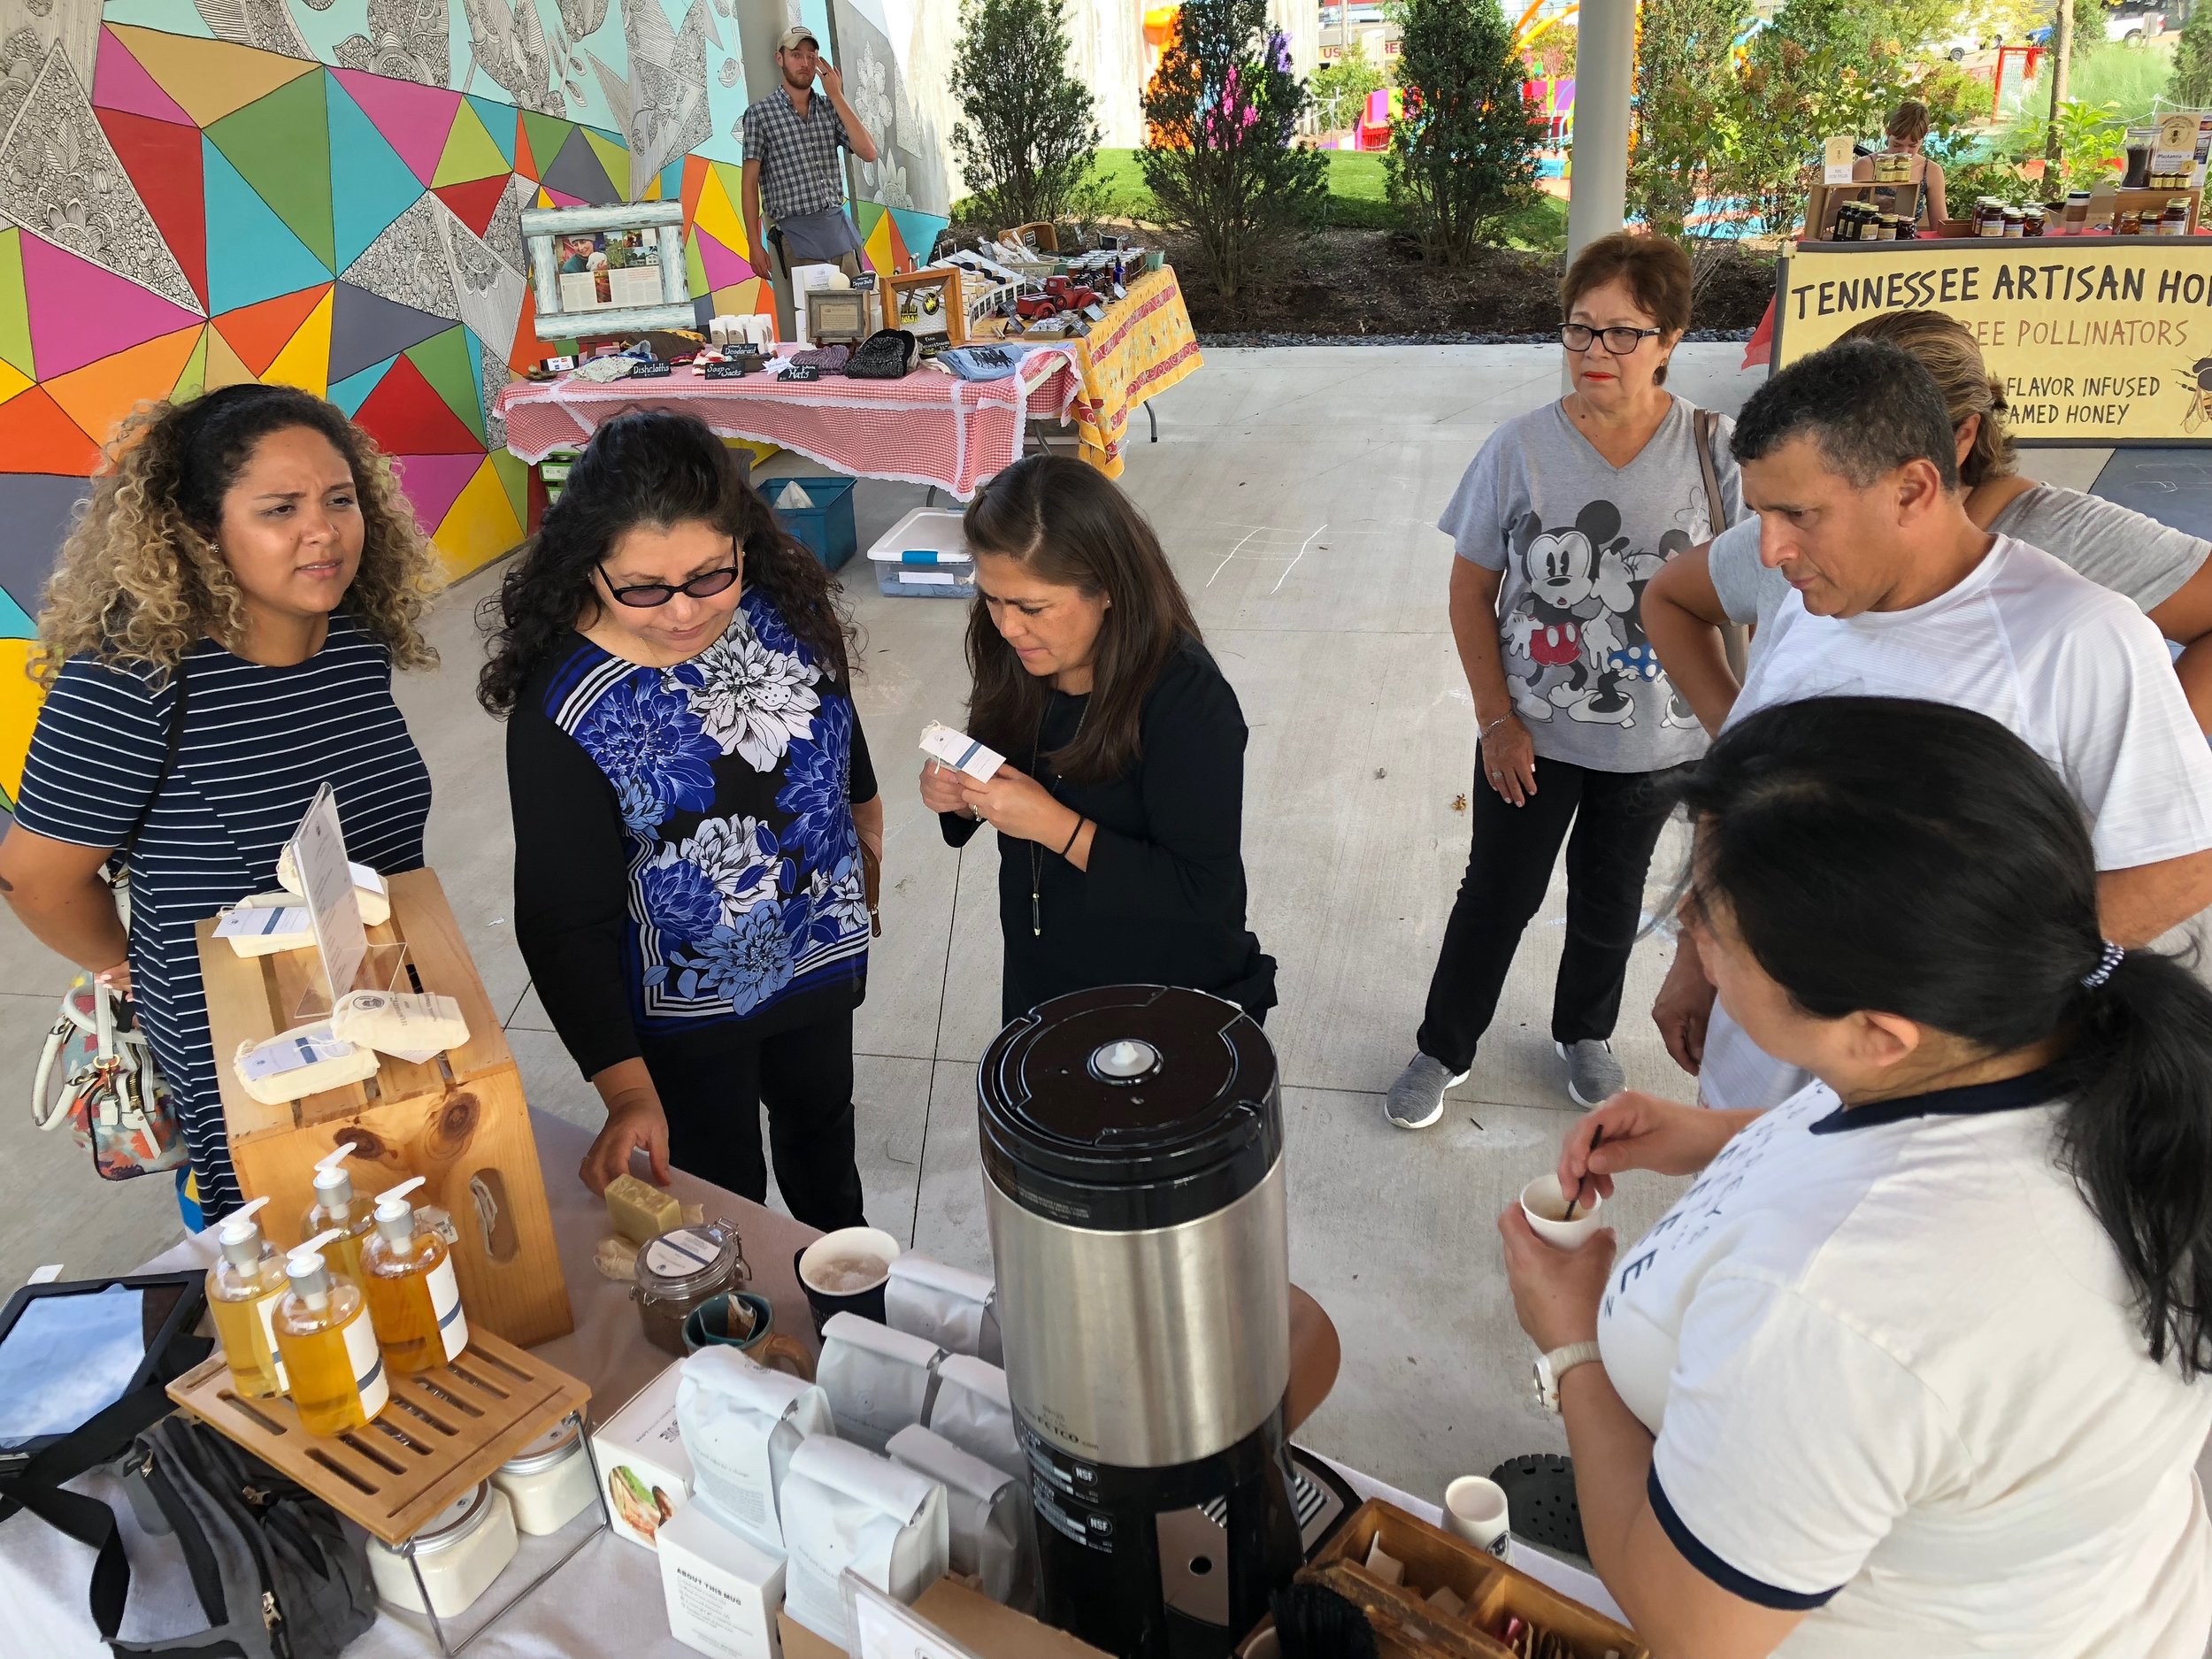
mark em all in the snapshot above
pixel 277 1574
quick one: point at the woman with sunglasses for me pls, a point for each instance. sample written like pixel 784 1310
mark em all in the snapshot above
pixel 1564 515
pixel 697 827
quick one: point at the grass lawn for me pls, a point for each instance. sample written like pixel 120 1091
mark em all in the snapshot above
pixel 1357 198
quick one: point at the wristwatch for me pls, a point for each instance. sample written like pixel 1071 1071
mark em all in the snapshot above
pixel 1552 1367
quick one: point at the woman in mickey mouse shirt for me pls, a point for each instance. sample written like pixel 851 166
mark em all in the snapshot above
pixel 1559 522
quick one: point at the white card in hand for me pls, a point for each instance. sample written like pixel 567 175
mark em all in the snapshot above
pixel 961 752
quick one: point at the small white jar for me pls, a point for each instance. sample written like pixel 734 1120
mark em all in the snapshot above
pixel 549 1481
pixel 466 1545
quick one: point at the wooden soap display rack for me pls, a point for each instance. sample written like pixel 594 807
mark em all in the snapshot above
pixel 1408 1625
pixel 460 1120
pixel 442 1434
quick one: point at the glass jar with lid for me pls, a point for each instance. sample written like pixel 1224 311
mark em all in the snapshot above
pixel 681 1269
pixel 2175 221
pixel 2129 224
pixel 2035 219
pixel 548 1482
pixel 465 1547
pixel 1989 216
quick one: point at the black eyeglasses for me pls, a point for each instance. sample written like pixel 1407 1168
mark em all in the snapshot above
pixel 645 595
pixel 1619 342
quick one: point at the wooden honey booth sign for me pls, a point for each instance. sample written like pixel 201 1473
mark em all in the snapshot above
pixel 458 1120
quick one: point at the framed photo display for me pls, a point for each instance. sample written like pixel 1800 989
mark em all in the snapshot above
pixel 608 270
pixel 927 304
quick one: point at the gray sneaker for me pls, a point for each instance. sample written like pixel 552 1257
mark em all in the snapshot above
pixel 1594 1076
pixel 1416 1099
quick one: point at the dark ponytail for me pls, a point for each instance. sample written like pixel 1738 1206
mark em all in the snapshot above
pixel 648 467
pixel 1918 859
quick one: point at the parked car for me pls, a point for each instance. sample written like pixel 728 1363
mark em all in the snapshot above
pixel 2132 24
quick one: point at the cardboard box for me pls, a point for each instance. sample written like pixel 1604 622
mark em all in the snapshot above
pixel 645 1471
pixel 967 1615
pixel 724 1595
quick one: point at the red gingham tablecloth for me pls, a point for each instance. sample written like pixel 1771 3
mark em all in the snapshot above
pixel 929 428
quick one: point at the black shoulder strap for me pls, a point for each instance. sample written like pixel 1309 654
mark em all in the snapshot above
pixel 174 743
pixel 1716 515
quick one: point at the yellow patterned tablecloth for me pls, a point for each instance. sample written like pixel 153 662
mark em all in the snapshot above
pixel 1142 347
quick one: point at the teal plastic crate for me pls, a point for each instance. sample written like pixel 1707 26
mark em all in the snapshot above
pixel 827 526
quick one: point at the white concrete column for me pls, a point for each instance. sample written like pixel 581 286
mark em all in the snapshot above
pixel 1605 68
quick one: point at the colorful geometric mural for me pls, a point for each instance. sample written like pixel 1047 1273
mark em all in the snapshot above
pixel 195 193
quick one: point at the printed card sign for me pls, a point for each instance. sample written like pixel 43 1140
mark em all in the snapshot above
pixel 1837 158
pixel 883 1629
pixel 325 876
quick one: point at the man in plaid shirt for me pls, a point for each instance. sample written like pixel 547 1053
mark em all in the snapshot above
pixel 792 137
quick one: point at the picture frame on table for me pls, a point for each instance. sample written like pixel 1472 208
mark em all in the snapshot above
pixel 840 316
pixel 928 304
pixel 602 271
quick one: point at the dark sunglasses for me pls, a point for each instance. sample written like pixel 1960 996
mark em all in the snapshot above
pixel 645 595
pixel 1619 342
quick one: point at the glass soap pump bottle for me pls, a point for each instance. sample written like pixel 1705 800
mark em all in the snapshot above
pixel 327 1345
pixel 413 1299
pixel 243 1290
pixel 335 1207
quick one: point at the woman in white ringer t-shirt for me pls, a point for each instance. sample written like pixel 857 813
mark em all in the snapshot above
pixel 1915 1366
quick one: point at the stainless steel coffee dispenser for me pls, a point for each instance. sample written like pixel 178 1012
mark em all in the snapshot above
pixel 1132 1150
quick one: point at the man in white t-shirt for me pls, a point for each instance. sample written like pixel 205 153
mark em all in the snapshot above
pixel 1848 459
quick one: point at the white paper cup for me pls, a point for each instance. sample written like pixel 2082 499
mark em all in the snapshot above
pixel 1543 1202
pixel 1475 1510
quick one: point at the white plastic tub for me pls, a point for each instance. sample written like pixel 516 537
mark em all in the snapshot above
pixel 923 556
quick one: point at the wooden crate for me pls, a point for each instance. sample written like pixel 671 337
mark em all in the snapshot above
pixel 1408 1626
pixel 442 1433
pixel 460 1120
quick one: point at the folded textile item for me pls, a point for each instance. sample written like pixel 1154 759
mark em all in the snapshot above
pixel 890 354
pixel 829 359
pixel 983 362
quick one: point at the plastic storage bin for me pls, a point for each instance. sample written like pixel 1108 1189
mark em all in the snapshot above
pixel 826 525
pixel 923 556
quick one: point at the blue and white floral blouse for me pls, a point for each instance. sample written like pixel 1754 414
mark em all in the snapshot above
pixel 686 863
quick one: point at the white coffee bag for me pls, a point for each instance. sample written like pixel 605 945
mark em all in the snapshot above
pixel 988 1509
pixel 971 1410
pixel 949 1306
pixel 742 1423
pixel 878 1380
pixel 844 1506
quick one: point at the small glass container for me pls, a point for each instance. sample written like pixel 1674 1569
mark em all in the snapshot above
pixel 1885 228
pixel 2016 224
pixel 2129 224
pixel 2034 220
pixel 2175 221
pixel 548 1482
pixel 466 1545
pixel 681 1269
pixel 1989 218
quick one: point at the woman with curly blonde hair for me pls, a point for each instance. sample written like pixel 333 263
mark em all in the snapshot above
pixel 216 645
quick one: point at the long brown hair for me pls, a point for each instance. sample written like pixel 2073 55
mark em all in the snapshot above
pixel 1066 524
pixel 1946 346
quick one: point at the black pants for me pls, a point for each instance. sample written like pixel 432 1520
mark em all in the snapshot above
pixel 1615 818
pixel 804 1077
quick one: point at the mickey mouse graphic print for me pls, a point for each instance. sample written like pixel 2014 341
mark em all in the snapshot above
pixel 1575 540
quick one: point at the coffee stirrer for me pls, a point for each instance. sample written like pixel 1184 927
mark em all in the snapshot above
pixel 1596 1140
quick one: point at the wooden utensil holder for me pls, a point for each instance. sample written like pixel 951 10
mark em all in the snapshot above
pixel 442 1433
pixel 1407 1626
pixel 460 1120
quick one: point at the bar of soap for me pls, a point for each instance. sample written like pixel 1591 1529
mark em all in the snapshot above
pixel 639 1210
pixel 262 930
pixel 406 1025
pixel 369 891
pixel 1447 1601
pixel 303 1061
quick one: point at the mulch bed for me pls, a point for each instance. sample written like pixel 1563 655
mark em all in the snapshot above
pixel 1342 286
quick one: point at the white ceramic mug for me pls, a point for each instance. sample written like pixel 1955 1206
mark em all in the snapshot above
pixel 1475 1510
pixel 1543 1202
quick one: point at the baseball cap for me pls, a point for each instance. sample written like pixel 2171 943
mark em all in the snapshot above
pixel 793 36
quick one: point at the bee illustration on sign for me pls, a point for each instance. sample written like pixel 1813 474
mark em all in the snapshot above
pixel 2197 387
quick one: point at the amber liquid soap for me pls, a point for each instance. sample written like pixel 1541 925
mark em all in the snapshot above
pixel 243 1290
pixel 337 1209
pixel 324 1337
pixel 414 1300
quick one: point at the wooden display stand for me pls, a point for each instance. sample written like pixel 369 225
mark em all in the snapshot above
pixel 1408 1625
pixel 1820 207
pixel 2146 201
pixel 460 1120
pixel 442 1433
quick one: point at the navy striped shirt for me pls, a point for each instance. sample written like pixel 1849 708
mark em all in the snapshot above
pixel 257 743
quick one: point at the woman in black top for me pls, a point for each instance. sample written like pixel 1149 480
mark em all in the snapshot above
pixel 692 800
pixel 1120 807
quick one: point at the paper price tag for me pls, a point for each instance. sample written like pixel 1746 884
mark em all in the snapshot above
pixel 957 750
pixel 883 1629
pixel 1837 160
pixel 293 1051
pixel 264 922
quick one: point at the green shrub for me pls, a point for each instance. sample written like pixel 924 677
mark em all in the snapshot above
pixel 1028 128
pixel 1462 159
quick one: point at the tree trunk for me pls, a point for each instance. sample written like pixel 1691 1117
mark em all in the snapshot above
pixel 2061 50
